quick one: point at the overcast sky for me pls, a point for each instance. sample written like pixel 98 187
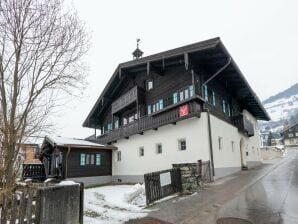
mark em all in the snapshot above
pixel 260 35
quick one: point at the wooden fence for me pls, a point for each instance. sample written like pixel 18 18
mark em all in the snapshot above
pixel 36 205
pixel 20 207
pixel 161 184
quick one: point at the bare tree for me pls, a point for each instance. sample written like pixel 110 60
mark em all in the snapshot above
pixel 41 49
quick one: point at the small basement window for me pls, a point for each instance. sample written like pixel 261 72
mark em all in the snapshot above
pixel 182 144
pixel 159 148
pixel 141 151
pixel 232 143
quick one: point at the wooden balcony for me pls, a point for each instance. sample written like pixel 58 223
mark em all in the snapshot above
pixel 128 98
pixel 168 115
pixel 243 125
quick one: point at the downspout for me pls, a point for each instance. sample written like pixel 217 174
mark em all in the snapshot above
pixel 208 113
pixel 66 164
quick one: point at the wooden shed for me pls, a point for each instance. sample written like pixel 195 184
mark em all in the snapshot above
pixel 73 158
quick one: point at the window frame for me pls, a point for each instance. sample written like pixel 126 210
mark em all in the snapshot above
pixel 158 148
pixel 148 87
pixel 141 151
pixel 92 159
pixel 180 144
pixel 97 159
pixel 213 99
pixel 175 97
pixel 118 158
pixel 82 159
pixel 220 143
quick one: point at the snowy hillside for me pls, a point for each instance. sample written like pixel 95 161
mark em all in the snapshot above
pixel 282 108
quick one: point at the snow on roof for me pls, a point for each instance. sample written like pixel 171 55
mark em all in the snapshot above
pixel 62 141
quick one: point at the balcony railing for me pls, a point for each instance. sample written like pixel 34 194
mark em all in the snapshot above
pixel 243 125
pixel 174 113
pixel 126 99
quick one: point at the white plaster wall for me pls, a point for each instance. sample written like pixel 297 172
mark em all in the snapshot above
pixel 252 144
pixel 225 157
pixel 294 141
pixel 195 132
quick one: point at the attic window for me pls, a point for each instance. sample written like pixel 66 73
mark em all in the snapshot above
pixel 149 84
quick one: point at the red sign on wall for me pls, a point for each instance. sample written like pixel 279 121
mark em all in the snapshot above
pixel 183 110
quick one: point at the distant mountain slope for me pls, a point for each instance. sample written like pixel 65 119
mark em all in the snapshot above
pixel 293 90
pixel 282 108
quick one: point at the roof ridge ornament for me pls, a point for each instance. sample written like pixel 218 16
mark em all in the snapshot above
pixel 137 52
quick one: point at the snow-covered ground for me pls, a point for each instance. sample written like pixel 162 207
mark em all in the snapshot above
pixel 114 204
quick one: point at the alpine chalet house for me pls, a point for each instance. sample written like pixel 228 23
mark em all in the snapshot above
pixel 178 106
pixel 290 135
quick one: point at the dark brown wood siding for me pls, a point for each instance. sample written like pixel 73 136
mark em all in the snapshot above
pixel 74 169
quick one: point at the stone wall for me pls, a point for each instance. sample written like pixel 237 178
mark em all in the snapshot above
pixel 189 177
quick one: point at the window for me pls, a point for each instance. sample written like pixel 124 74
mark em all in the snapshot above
pixel 119 156
pixel 220 143
pixel 148 109
pixel 87 159
pixel 116 123
pixel 291 135
pixel 161 104
pixel 232 143
pixel 181 96
pixel 153 108
pixel 296 134
pixel 229 110
pixel 92 159
pixel 82 159
pixel 98 162
pixel 213 98
pixel 158 148
pixel 205 89
pixel 131 118
pixel 149 84
pixel 223 106
pixel 175 97
pixel 246 153
pixel 124 121
pixel 141 151
pixel 186 94
pixel 136 116
pixel 110 126
pixel 190 88
pixel 182 144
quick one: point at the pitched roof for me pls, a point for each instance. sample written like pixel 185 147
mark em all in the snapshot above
pixel 74 143
pixel 210 52
pixel 289 128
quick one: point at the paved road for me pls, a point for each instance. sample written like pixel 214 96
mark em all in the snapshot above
pixel 272 199
pixel 267 194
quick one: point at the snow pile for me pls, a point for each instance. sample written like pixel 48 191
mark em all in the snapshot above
pixel 67 183
pixel 136 196
pixel 114 204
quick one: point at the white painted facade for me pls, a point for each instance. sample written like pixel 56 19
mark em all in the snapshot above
pixel 227 159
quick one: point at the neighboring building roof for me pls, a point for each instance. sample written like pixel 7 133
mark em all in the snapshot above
pixel 288 128
pixel 74 143
pixel 211 53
